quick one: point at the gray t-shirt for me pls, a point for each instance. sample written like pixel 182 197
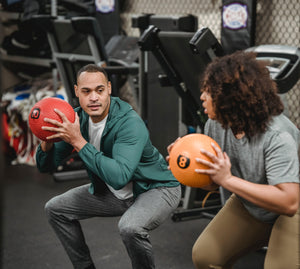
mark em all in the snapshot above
pixel 268 158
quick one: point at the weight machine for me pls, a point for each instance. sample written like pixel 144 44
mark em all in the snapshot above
pixel 176 53
pixel 183 57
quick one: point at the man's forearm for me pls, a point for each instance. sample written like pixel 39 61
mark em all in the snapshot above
pixel 46 146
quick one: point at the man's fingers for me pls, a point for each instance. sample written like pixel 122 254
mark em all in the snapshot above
pixel 54 122
pixel 62 115
pixel 53 136
pixel 51 129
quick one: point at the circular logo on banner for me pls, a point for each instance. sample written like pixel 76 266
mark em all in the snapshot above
pixel 105 6
pixel 235 16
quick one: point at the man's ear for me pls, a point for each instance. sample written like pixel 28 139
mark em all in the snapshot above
pixel 76 90
pixel 109 87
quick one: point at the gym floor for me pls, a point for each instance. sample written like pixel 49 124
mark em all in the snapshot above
pixel 28 242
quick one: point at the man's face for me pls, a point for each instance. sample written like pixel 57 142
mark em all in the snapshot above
pixel 208 105
pixel 93 91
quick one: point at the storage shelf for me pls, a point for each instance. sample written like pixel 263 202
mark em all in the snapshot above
pixel 26 60
pixel 5 15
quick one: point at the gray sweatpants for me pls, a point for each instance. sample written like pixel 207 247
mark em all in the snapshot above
pixel 139 216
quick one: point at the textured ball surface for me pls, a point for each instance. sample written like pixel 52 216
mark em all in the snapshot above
pixel 182 159
pixel 45 109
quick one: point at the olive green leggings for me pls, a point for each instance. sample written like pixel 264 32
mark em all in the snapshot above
pixel 234 232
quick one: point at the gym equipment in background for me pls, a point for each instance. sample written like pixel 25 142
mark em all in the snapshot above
pixel 78 41
pixel 183 56
pixel 283 63
pixel 159 105
pixel 181 66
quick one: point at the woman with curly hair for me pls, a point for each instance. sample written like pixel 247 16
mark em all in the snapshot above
pixel 258 165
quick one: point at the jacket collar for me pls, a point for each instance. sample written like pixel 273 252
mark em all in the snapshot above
pixel 117 110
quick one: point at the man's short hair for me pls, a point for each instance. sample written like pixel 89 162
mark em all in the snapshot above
pixel 91 68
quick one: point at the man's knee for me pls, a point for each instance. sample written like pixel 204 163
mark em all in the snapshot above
pixel 51 207
pixel 129 230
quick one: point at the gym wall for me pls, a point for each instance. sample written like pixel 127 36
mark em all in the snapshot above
pixel 277 22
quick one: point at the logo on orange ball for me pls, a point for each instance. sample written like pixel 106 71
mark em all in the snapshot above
pixel 35 113
pixel 183 161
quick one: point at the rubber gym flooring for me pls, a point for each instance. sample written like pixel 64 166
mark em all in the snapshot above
pixel 28 242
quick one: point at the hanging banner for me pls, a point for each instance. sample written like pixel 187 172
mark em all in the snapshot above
pixel 105 6
pixel 238 25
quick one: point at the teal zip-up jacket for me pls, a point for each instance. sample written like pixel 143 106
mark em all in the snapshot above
pixel 126 154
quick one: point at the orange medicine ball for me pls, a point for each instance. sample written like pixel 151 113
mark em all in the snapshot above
pixel 45 109
pixel 182 159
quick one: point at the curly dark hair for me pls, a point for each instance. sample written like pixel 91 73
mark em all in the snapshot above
pixel 243 94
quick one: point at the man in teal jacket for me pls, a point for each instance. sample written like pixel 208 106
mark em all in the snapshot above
pixel 129 177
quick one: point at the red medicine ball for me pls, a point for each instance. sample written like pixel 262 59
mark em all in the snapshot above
pixel 45 109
